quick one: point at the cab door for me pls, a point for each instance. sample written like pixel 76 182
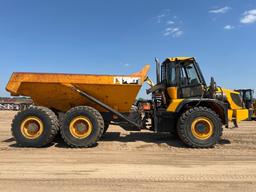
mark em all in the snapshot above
pixel 190 84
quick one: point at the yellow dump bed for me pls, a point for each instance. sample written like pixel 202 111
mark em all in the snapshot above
pixel 51 90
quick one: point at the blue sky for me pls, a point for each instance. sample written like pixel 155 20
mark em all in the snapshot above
pixel 119 37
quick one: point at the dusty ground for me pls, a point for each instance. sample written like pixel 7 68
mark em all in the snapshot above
pixel 135 161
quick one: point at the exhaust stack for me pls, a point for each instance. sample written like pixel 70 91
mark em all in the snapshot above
pixel 157 70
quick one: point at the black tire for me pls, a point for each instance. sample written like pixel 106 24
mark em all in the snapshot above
pixel 50 124
pixel 184 127
pixel 97 126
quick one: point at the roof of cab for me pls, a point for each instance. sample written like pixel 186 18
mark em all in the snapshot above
pixel 179 58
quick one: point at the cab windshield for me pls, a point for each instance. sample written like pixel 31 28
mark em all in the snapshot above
pixel 188 74
pixel 248 95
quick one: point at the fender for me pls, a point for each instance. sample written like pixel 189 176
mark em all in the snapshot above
pixel 219 107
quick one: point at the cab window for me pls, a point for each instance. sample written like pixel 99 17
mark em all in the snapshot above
pixel 172 75
pixel 189 75
pixel 248 95
pixel 169 74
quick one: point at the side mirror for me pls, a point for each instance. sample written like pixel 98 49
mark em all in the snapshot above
pixel 212 88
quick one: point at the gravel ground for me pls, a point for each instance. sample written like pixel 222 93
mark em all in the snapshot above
pixel 130 161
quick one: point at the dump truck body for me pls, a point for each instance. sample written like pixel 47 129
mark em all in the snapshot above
pixel 50 90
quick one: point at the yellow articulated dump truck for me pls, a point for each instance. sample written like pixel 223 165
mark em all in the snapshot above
pixel 81 107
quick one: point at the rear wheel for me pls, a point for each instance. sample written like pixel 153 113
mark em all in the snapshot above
pixel 35 127
pixel 199 127
pixel 82 126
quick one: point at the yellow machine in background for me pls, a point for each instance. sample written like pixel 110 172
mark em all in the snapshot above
pixel 236 111
pixel 254 109
pixel 249 102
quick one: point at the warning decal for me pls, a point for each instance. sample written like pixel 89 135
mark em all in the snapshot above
pixel 127 80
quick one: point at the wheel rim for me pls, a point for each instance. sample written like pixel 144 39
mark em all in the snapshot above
pixel 32 127
pixel 202 128
pixel 80 127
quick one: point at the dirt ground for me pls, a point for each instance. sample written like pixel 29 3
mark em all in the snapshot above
pixel 130 161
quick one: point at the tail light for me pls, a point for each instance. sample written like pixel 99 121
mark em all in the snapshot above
pixel 146 106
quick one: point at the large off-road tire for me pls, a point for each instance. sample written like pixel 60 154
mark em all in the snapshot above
pixel 82 126
pixel 35 127
pixel 199 127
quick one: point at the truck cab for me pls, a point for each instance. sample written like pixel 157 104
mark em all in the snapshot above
pixel 183 78
pixel 183 104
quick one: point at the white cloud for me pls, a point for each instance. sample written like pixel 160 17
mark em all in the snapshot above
pixel 174 32
pixel 220 10
pixel 163 15
pixel 170 22
pixel 178 34
pixel 249 17
pixel 159 18
pixel 229 27
pixel 125 64
pixel 172 29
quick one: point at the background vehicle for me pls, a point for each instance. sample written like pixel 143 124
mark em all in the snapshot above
pixel 249 102
pixel 15 103
pixel 181 102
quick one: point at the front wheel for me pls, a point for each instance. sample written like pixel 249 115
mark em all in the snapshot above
pixel 199 127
